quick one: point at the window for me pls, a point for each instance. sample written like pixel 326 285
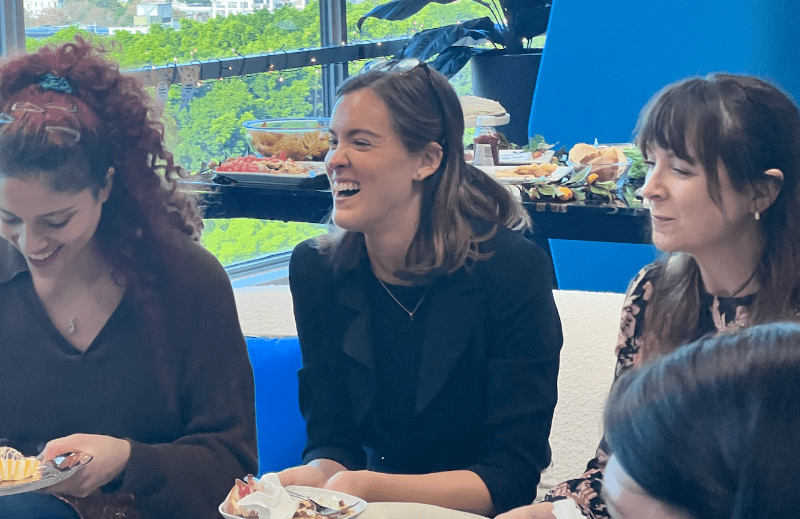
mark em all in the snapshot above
pixel 210 126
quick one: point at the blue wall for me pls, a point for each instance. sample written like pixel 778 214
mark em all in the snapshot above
pixel 603 60
pixel 598 266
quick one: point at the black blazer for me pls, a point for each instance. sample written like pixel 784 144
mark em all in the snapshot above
pixel 486 386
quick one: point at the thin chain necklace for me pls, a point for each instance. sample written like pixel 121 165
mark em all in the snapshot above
pixel 71 325
pixel 409 312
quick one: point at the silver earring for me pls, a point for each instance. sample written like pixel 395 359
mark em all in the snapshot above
pixel 757 215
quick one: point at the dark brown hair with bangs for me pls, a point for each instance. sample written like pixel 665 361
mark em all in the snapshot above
pixel 750 126
pixel 424 108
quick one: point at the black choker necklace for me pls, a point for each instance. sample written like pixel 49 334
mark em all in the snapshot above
pixel 752 276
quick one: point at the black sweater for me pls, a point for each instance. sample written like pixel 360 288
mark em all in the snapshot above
pixel 474 386
pixel 186 403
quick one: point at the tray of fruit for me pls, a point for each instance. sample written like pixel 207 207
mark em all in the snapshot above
pixel 275 170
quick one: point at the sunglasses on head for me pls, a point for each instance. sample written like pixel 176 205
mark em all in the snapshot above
pixel 408 66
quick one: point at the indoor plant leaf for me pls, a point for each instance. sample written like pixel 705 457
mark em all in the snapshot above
pixel 430 42
pixel 398 10
pixel 453 59
pixel 514 21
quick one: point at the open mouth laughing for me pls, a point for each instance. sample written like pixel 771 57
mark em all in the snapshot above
pixel 345 189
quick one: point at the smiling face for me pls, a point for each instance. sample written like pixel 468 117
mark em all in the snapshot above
pixel 627 500
pixel 684 216
pixel 376 181
pixel 53 230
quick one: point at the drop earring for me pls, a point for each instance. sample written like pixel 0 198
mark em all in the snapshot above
pixel 757 216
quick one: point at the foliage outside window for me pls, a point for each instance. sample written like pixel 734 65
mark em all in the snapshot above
pixel 211 126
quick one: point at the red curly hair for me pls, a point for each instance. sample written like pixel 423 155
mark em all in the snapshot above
pixel 117 127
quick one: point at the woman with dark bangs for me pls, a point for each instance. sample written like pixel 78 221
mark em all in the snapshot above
pixel 118 331
pixel 724 158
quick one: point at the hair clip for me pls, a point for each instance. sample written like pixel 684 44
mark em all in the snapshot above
pixel 5 118
pixel 56 84
pixel 72 110
pixel 73 134
pixel 24 106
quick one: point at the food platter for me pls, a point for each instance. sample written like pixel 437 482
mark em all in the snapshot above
pixel 314 176
pixel 48 474
pixel 497 173
pixel 519 157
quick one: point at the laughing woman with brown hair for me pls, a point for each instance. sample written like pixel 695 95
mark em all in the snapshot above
pixel 427 324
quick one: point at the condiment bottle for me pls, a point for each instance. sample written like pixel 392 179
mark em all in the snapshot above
pixel 486 141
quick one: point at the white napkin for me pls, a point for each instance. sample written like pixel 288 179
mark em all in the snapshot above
pixel 271 503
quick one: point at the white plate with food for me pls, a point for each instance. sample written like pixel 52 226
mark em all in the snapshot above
pixel 48 474
pixel 337 500
pixel 527 173
pixel 519 157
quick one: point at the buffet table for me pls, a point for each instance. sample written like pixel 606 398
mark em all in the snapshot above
pixel 552 220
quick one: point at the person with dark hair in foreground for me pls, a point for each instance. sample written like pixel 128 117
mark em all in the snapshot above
pixel 429 333
pixel 724 196
pixel 708 431
pixel 118 330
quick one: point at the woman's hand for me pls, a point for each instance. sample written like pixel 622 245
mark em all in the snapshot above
pixel 353 482
pixel 303 475
pixel 537 511
pixel 109 458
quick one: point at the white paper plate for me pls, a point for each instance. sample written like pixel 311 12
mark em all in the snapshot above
pixel 323 497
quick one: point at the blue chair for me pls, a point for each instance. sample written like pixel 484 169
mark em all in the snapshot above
pixel 598 266
pixel 281 428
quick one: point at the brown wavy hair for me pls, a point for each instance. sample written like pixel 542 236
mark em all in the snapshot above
pixel 118 127
pixel 425 108
pixel 751 126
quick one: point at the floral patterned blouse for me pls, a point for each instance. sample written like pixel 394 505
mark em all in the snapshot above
pixel 723 315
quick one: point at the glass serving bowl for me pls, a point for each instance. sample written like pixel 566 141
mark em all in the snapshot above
pixel 296 138
pixel 617 171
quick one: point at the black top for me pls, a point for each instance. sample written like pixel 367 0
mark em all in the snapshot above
pixel 470 383
pixel 186 403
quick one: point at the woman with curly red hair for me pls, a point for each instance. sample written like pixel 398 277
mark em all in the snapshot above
pixel 118 331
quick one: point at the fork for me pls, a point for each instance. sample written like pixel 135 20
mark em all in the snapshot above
pixel 319 508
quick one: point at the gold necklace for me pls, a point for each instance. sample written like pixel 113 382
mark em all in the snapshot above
pixel 409 312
